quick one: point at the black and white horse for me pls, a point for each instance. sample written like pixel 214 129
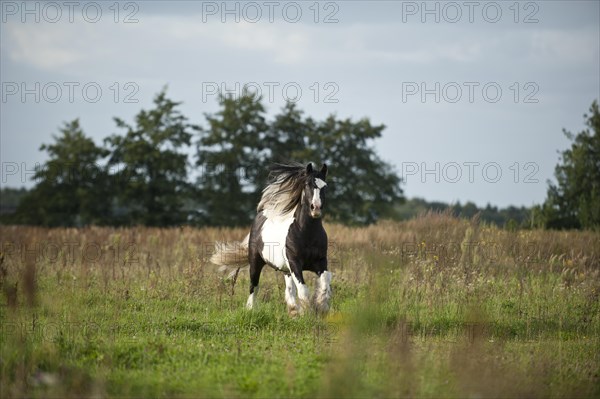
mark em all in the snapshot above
pixel 288 235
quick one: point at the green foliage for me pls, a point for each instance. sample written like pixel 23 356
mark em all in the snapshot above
pixel 145 180
pixel 239 144
pixel 10 199
pixel 230 155
pixel 151 172
pixel 289 135
pixel 574 202
pixel 362 188
pixel 71 187
pixel 511 217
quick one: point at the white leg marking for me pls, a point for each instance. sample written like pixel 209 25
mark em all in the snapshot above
pixel 323 295
pixel 302 294
pixel 251 302
pixel 290 295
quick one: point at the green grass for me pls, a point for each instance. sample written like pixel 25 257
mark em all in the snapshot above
pixel 153 320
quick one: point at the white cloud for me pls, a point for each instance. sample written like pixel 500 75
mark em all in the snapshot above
pixel 559 46
pixel 52 47
pixel 107 47
pixel 28 44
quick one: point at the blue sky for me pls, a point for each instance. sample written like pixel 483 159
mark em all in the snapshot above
pixel 474 94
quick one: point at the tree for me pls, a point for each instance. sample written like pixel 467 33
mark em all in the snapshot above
pixel 362 188
pixel 10 199
pixel 239 145
pixel 145 180
pixel 231 156
pixel 149 170
pixel 72 188
pixel 574 201
pixel 288 135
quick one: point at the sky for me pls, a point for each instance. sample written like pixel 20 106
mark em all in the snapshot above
pixel 474 94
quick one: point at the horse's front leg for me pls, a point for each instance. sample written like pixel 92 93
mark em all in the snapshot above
pixel 323 292
pixel 301 287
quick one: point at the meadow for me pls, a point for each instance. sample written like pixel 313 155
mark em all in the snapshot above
pixel 431 307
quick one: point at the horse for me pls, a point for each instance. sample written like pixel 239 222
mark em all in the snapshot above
pixel 287 234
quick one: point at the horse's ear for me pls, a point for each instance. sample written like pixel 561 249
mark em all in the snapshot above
pixel 309 168
pixel 324 170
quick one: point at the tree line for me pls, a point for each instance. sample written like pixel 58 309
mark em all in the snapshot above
pixel 510 217
pixel 165 171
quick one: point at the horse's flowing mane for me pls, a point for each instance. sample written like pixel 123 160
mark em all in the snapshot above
pixel 284 190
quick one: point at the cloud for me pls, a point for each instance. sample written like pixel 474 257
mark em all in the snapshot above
pixel 578 46
pixel 53 47
pixel 30 45
pixel 107 47
pixel 368 55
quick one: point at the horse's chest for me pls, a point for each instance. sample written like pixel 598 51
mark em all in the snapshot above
pixel 274 235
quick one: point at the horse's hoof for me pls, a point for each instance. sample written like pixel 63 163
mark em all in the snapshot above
pixel 293 312
pixel 321 309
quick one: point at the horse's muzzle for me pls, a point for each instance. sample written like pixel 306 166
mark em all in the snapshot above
pixel 315 211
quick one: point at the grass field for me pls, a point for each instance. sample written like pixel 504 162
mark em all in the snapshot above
pixel 433 307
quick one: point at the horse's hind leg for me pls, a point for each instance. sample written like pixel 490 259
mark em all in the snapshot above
pixel 256 265
pixel 290 295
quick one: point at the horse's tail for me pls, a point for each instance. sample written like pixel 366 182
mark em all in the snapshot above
pixel 231 257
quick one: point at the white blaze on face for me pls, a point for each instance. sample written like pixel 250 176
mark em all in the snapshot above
pixel 316 200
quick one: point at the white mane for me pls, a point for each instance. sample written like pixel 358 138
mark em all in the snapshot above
pixel 285 191
pixel 277 198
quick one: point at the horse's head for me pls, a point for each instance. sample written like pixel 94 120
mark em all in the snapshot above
pixel 314 191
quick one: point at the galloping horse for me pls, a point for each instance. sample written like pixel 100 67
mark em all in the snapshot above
pixel 288 235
